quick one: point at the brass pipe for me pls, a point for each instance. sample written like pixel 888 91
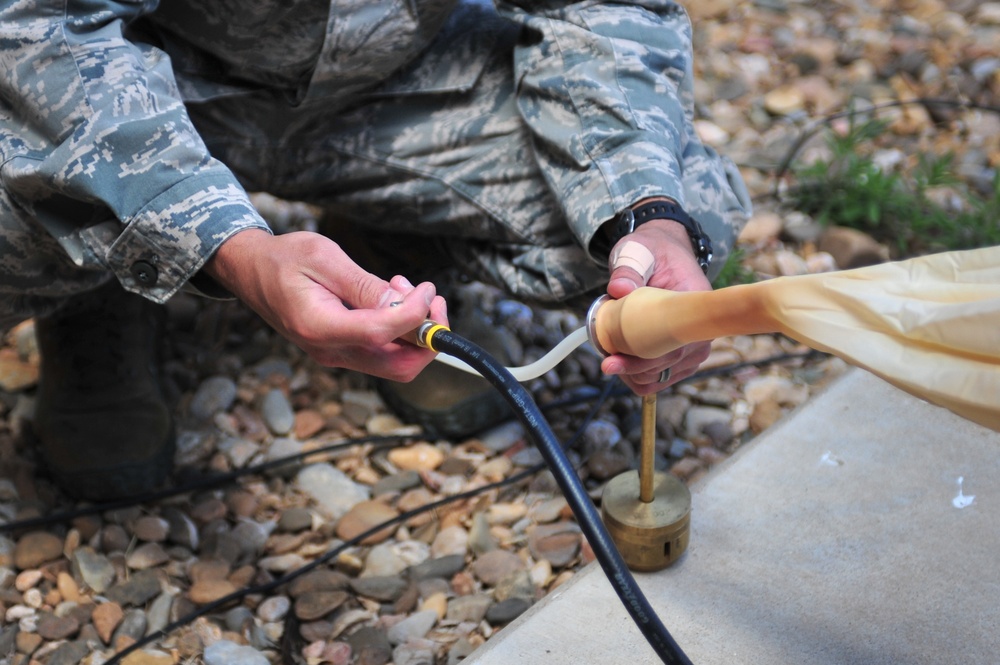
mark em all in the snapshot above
pixel 647 448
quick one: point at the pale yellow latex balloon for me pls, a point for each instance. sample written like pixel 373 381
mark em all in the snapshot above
pixel 930 325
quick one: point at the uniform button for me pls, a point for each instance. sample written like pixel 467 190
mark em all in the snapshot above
pixel 144 272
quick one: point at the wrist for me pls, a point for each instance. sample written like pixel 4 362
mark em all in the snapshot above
pixel 664 210
pixel 234 255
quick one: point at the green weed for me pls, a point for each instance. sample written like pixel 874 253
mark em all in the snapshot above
pixel 901 207
pixel 734 271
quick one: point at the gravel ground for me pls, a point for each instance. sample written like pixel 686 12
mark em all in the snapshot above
pixel 435 585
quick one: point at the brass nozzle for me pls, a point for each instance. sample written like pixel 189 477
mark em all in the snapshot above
pixel 421 335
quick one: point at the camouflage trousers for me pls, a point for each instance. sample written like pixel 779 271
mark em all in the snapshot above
pixel 455 169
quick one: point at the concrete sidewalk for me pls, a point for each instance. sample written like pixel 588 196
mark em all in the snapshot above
pixel 840 536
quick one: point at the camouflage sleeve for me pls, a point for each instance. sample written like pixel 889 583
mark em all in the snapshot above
pixel 96 145
pixel 607 92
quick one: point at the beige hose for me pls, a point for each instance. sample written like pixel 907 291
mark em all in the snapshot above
pixel 930 325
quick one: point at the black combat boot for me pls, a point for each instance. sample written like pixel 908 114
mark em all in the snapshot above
pixel 449 402
pixel 103 425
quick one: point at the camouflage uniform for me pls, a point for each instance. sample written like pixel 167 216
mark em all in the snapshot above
pixel 130 133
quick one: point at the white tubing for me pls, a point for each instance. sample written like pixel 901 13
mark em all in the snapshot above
pixel 535 369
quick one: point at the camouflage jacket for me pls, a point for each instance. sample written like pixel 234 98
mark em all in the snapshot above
pixel 96 143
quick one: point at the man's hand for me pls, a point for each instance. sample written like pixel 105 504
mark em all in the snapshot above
pixel 310 291
pixel 671 265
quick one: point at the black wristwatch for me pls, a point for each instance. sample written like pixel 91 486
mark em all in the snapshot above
pixel 629 220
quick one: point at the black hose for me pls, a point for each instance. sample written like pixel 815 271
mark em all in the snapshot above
pixel 583 508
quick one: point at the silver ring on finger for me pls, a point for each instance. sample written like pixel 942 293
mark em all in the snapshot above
pixel 665 375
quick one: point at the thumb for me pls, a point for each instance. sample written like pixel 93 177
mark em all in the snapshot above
pixel 631 267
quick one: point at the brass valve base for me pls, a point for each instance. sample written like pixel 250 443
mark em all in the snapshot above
pixel 650 536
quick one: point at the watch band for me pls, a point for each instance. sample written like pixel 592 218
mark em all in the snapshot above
pixel 629 220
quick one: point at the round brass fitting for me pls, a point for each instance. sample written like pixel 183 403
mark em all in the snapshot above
pixel 650 536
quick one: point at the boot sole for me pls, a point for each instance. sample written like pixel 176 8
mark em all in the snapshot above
pixel 119 481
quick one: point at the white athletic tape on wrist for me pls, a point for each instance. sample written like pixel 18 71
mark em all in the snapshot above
pixel 633 255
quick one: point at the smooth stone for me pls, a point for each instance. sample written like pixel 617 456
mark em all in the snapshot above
pixel 225 652
pixel 383 560
pixel 132 627
pixel 181 529
pixel 158 614
pixel 151 529
pixel 436 602
pixel 506 513
pixel 209 510
pixel 414 652
pixel 386 423
pixel 114 538
pixel 281 448
pixel 548 510
pixel 443 567
pixel 140 588
pixel 698 417
pixel 272 367
pixel 277 412
pixel 215 394
pixel 294 520
pixel 365 516
pixel 418 457
pixel 52 627
pixel 371 646
pixel 470 608
pixel 28 642
pixel 67 587
pixel 344 621
pixel 480 538
pixel 416 625
pixel 515 585
pixel 69 653
pixel 451 540
pixel 493 566
pixel 557 543
pixel 600 435
pixel 397 482
pixel 236 618
pixel 527 457
pixel 337 653
pixel 35 548
pixel 500 438
pixel 27 579
pixel 208 569
pixel 274 608
pixel 332 490
pixel 7 547
pixel 460 650
pixel 148 657
pixel 608 463
pixel 507 610
pixel 385 588
pixel 251 536
pixel 147 555
pixel 239 450
pixel 210 590
pixel 314 605
pixel 495 469
pixel 318 580
pixel 308 423
pixel 106 617
pixel 360 405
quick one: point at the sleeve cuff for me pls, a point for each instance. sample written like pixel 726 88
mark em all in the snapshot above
pixel 167 242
